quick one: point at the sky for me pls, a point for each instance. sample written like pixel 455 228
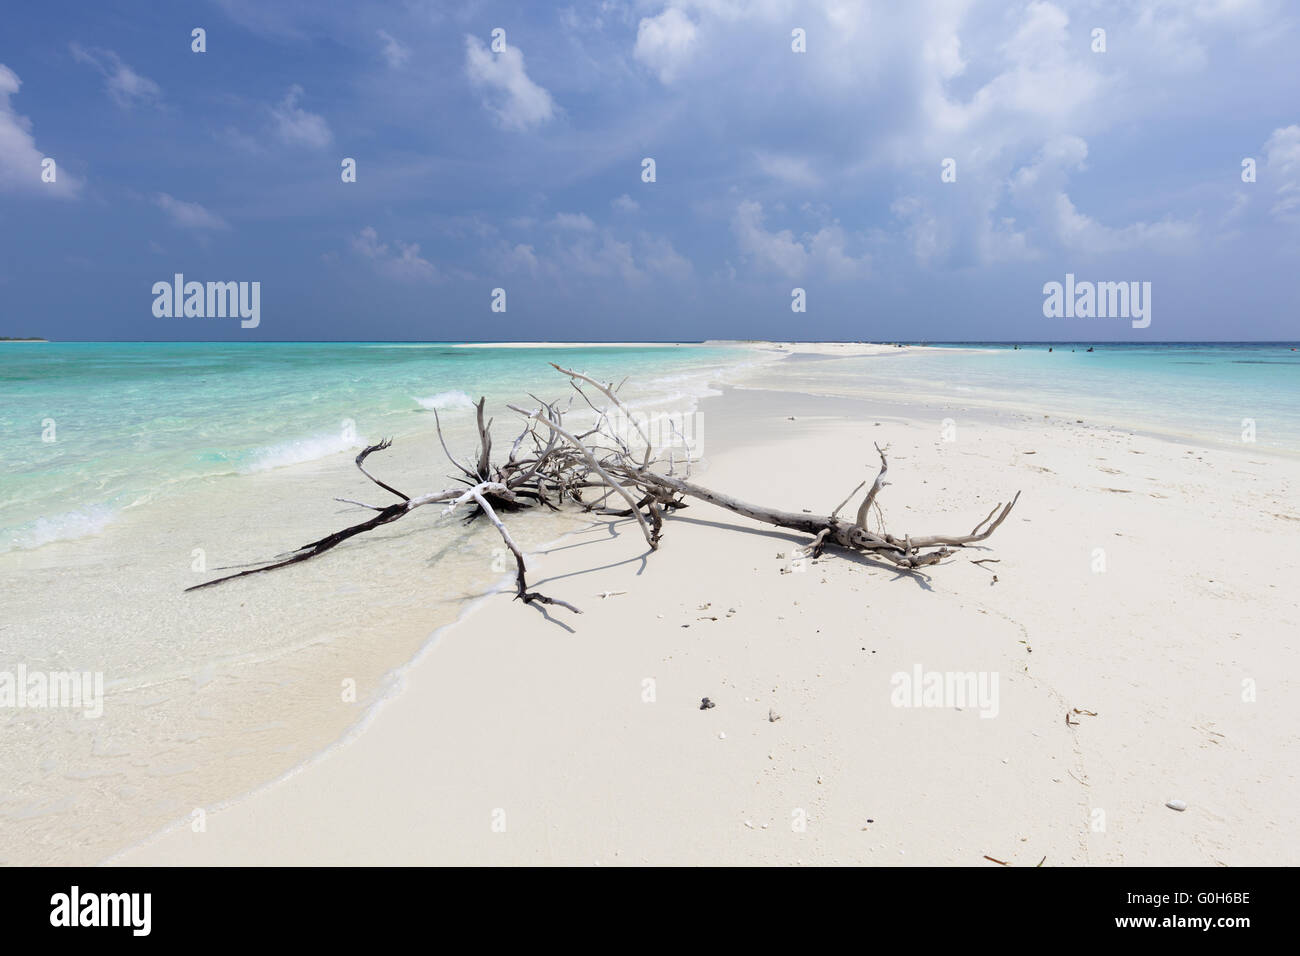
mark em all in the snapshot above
pixel 920 170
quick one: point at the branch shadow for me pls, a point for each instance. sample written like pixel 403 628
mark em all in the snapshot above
pixel 545 613
pixel 919 577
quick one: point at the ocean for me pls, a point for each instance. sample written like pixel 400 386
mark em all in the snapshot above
pixel 88 430
pixel 1215 393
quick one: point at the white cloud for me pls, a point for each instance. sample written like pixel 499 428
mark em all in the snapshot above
pixel 515 100
pixel 927 237
pixel 399 261
pixel 625 203
pixel 597 256
pixel 823 250
pixel 664 43
pixel 577 221
pixel 1040 187
pixel 1080 231
pixel 125 87
pixel 1240 200
pixel 394 52
pixel 189 215
pixel 1043 86
pixel 582 249
pixel 659 256
pixel 795 170
pixel 826 248
pixel 20 160
pixel 519 257
pixel 780 250
pixel 1282 163
pixel 1168 40
pixel 296 126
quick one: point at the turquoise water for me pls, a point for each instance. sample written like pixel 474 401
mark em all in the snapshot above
pixel 87 429
pixel 1195 391
pixel 128 422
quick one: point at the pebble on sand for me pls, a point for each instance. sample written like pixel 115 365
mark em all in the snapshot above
pixel 1176 805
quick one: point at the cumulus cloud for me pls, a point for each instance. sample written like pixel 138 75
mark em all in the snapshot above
pixel 1039 87
pixel 579 248
pixel 665 43
pixel 400 260
pixel 189 215
pixel 661 258
pixel 125 86
pixel 599 255
pixel 1240 202
pixel 779 250
pixel 793 257
pixel 20 160
pixel 1282 163
pixel 1080 231
pixel 569 220
pixel 295 126
pixel 943 78
pixel 394 52
pixel 927 237
pixel 509 94
pixel 794 170
pixel 625 203
pixel 519 257
pixel 1040 186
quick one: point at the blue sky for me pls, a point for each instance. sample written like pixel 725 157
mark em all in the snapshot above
pixel 522 169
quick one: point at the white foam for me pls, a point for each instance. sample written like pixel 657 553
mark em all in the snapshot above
pixel 301 450
pixel 61 527
pixel 454 399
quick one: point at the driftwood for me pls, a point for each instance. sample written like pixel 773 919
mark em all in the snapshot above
pixel 552 465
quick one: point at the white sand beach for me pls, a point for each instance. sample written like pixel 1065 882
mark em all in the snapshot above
pixel 793 348
pixel 1157 668
pixel 580 345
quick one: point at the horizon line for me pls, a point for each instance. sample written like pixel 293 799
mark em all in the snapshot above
pixel 589 342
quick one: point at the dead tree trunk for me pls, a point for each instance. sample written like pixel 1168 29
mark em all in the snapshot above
pixel 551 464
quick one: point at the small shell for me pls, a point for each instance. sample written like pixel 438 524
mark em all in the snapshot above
pixel 1176 805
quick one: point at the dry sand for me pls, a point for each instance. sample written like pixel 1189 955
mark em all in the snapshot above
pixel 519 737
pixel 572 345
pixel 794 348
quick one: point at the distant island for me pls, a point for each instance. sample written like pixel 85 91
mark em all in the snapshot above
pixel 25 338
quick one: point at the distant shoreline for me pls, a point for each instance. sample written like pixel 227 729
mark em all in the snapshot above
pixel 1257 343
